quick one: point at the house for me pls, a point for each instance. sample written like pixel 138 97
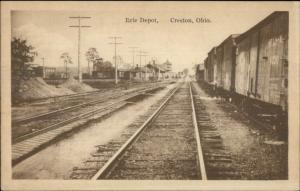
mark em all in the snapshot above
pixel 45 72
pixel 167 66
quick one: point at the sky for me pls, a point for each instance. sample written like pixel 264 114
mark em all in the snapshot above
pixel 183 44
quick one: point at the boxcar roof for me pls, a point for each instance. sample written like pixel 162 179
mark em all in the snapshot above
pixel 262 23
pixel 233 36
pixel 213 49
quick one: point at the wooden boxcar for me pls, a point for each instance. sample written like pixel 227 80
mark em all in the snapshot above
pixel 200 72
pixel 206 69
pixel 228 63
pixel 219 66
pixel 211 67
pixel 261 70
pixel 225 60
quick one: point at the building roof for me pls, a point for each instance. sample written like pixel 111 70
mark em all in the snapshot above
pixel 161 68
pixel 157 67
pixel 167 62
pixel 140 69
pixel 124 69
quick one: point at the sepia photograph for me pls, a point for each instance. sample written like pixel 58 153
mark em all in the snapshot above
pixel 150 95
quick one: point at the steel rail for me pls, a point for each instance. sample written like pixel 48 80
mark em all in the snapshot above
pixel 70 108
pixel 198 140
pixel 43 99
pixel 109 164
pixel 69 95
pixel 87 114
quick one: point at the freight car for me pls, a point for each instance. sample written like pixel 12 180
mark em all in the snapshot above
pixel 200 72
pixel 210 70
pixel 262 66
pixel 225 56
pixel 252 68
pixel 220 68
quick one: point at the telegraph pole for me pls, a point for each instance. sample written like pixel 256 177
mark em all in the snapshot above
pixel 79 26
pixel 115 43
pixel 156 64
pixel 142 53
pixel 133 51
pixel 145 59
pixel 133 54
pixel 146 66
pixel 43 67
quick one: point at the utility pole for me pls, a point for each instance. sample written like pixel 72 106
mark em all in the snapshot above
pixel 79 26
pixel 115 43
pixel 142 53
pixel 44 75
pixel 133 52
pixel 157 65
pixel 146 66
pixel 145 59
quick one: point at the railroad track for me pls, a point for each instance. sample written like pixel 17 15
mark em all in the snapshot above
pixel 176 139
pixel 163 145
pixel 77 95
pixel 60 97
pixel 218 161
pixel 40 123
pixel 79 100
pixel 28 144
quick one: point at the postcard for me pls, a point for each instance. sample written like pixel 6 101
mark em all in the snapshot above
pixel 137 95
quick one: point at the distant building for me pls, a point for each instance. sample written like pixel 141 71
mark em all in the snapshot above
pixel 44 72
pixel 151 71
pixel 180 74
pixel 167 66
pixel 166 69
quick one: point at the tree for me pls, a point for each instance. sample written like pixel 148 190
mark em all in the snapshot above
pixel 101 65
pixel 91 55
pixel 21 55
pixel 107 65
pixel 67 60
